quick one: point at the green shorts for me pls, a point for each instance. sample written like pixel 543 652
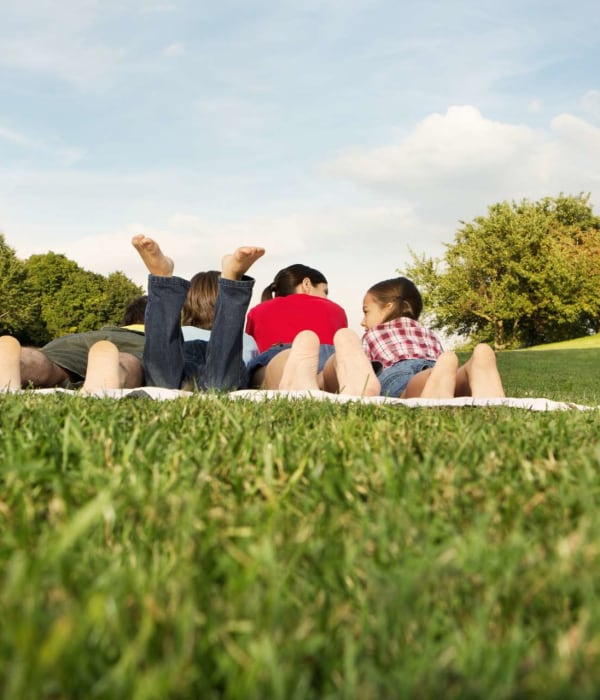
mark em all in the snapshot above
pixel 71 351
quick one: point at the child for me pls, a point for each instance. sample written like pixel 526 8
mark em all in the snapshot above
pixel 409 358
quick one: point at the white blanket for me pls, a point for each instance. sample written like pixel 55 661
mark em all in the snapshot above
pixel 530 404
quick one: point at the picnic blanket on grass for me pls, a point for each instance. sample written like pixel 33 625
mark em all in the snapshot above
pixel 530 404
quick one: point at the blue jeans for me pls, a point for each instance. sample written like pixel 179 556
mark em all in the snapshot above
pixel 213 364
pixel 394 379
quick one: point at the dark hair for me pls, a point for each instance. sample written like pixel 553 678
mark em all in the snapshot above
pixel 289 278
pixel 135 311
pixel 199 305
pixel 400 292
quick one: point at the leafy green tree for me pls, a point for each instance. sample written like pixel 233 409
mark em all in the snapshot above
pixel 526 273
pixel 17 308
pixel 74 300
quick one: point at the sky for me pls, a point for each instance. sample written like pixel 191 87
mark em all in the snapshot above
pixel 338 133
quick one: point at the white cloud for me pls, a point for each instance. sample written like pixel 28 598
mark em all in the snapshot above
pixel 456 164
pixel 454 145
pixel 534 106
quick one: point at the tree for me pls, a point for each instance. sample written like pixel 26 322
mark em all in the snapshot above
pixel 527 273
pixel 74 300
pixel 16 307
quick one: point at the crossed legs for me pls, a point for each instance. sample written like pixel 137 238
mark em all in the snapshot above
pixel 107 367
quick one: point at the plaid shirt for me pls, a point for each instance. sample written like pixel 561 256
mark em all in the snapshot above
pixel 401 339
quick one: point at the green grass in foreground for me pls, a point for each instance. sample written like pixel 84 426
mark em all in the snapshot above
pixel 212 549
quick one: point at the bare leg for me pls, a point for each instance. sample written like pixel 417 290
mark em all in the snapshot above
pixel 235 265
pixel 131 373
pixel 355 375
pixel 300 370
pixel 269 377
pixel 441 380
pixel 155 260
pixel 103 367
pixel 39 371
pixel 479 376
pixel 10 364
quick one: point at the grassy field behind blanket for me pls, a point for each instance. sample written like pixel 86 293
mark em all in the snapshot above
pixel 205 548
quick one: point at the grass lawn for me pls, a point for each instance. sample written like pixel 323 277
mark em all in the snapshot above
pixel 204 548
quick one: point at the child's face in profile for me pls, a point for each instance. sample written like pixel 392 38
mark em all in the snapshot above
pixel 374 314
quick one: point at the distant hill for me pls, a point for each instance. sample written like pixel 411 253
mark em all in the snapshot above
pixel 588 342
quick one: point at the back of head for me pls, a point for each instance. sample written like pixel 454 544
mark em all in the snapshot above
pixel 199 306
pixel 402 293
pixel 135 311
pixel 289 278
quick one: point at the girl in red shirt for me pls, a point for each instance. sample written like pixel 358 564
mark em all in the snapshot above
pixel 295 301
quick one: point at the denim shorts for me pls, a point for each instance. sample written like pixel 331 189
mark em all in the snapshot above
pixel 394 379
pixel 263 358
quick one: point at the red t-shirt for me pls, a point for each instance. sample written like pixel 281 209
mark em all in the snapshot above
pixel 279 320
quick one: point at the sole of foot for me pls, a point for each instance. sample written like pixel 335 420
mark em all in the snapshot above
pixel 154 259
pixel 300 371
pixel 102 369
pixel 355 373
pixel 10 364
pixel 235 265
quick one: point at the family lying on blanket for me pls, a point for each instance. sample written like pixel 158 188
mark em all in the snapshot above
pixel 295 339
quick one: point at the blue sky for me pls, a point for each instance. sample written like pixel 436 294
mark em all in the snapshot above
pixel 337 133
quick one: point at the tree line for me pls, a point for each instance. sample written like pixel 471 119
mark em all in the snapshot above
pixel 525 274
pixel 48 295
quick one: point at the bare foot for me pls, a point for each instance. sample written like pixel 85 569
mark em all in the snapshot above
pixel 235 265
pixel 10 364
pixel 156 261
pixel 300 371
pixel 355 373
pixel 102 368
pixel 484 378
pixel 441 382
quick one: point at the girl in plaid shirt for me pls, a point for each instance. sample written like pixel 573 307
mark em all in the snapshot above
pixel 399 357
pixel 409 358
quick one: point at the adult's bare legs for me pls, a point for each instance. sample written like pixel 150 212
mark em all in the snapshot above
pixel 269 376
pixel 33 367
pixel 131 372
pixel 107 368
pixel 300 364
pixel 10 363
pixel 349 371
pixel 102 367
